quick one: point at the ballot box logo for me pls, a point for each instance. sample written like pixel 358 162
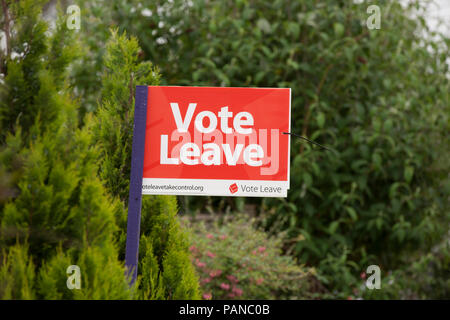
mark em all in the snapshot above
pixel 233 188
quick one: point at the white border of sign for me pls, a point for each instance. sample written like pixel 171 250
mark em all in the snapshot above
pixel 203 187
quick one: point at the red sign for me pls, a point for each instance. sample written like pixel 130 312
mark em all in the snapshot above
pixel 217 141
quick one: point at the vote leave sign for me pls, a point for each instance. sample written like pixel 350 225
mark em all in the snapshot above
pixel 217 141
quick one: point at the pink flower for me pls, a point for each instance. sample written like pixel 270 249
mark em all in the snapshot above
pixel 210 254
pixel 262 249
pixel 210 236
pixel 232 278
pixel 206 280
pixel 192 248
pixel 237 291
pixel 223 237
pixel 215 273
pixel 207 296
pixel 201 264
pixel 225 286
pixel 259 280
pixel 231 295
pixel 363 275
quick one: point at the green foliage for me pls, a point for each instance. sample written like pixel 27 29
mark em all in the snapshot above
pixel 59 199
pixel 102 275
pixel 52 283
pixel 34 76
pixel 86 75
pixel 16 274
pixel 59 205
pixel 113 129
pixel 237 261
pixel 378 98
pixel 151 285
pixel 427 275
pixel 165 269
pixel 165 265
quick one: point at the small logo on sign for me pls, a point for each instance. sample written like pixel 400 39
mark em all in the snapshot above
pixel 233 188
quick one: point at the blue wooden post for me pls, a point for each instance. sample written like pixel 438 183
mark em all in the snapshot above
pixel 136 175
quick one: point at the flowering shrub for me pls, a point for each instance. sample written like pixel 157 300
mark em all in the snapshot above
pixel 234 260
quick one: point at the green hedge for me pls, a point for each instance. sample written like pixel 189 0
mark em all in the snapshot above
pixel 64 198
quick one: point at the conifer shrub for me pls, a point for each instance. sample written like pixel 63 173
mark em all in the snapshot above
pixel 165 270
pixel 17 273
pixel 102 275
pixel 59 214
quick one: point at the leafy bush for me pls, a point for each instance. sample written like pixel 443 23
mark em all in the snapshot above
pixel 427 275
pixel 237 261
